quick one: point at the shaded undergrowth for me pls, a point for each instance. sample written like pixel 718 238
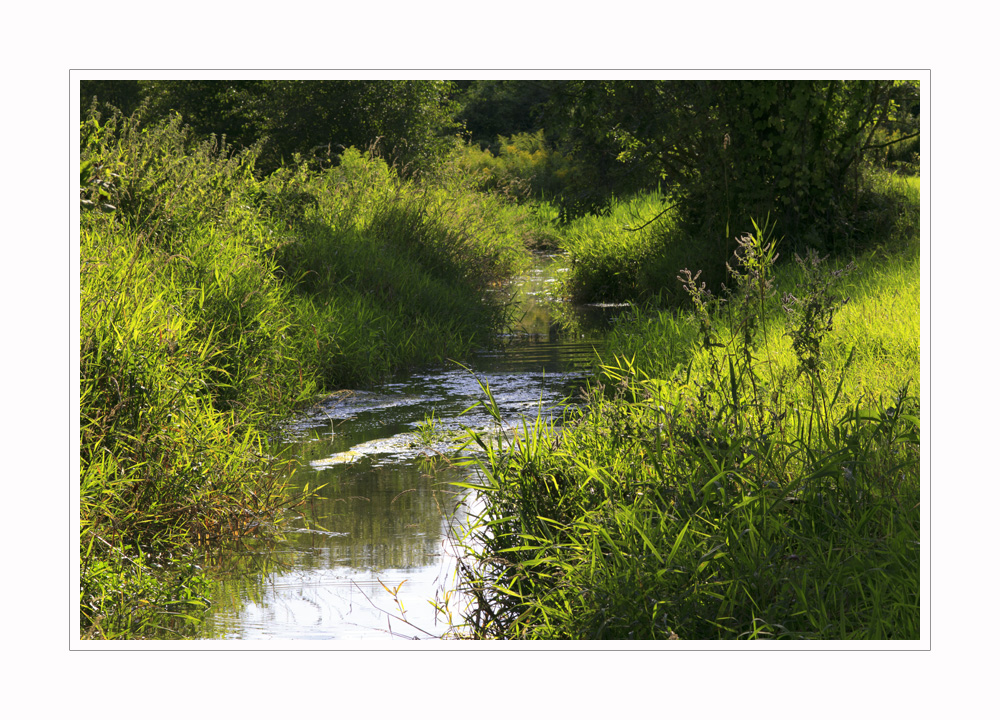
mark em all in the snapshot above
pixel 634 251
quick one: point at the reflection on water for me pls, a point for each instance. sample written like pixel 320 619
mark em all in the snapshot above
pixel 336 585
pixel 372 555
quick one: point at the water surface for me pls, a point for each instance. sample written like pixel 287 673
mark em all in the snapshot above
pixel 373 556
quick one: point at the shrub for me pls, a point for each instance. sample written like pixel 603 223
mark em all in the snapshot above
pixel 524 167
pixel 159 179
pixel 633 252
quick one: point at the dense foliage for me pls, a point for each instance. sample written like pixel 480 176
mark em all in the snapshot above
pixel 730 150
pixel 411 120
pixel 489 109
pixel 746 469
pixel 726 150
pixel 746 466
pixel 212 303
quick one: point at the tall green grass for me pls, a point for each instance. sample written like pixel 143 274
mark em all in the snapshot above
pixel 745 469
pixel 635 250
pixel 880 323
pixel 171 443
pixel 392 272
pixel 214 302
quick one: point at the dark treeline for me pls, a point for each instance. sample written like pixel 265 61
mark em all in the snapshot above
pixel 285 117
pixel 723 150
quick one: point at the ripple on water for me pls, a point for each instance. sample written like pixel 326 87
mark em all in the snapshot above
pixel 382 524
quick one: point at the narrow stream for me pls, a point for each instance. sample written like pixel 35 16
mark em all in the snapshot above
pixel 372 556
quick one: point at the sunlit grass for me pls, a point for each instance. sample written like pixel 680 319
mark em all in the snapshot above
pixel 615 256
pixel 723 483
pixel 214 303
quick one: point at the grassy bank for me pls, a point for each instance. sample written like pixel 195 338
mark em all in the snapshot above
pixel 747 467
pixel 635 250
pixel 214 302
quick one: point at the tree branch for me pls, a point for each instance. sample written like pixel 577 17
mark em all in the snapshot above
pixel 654 219
pixel 892 142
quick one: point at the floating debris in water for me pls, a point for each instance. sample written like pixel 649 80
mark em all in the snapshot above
pixel 340 458
pixel 327 533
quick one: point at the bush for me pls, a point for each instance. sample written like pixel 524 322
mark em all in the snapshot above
pixel 635 251
pixel 728 150
pixel 159 179
pixel 525 166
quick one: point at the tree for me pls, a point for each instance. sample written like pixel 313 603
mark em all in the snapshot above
pixel 230 108
pixel 583 118
pixel 410 120
pixel 491 108
pixel 125 95
pixel 731 150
